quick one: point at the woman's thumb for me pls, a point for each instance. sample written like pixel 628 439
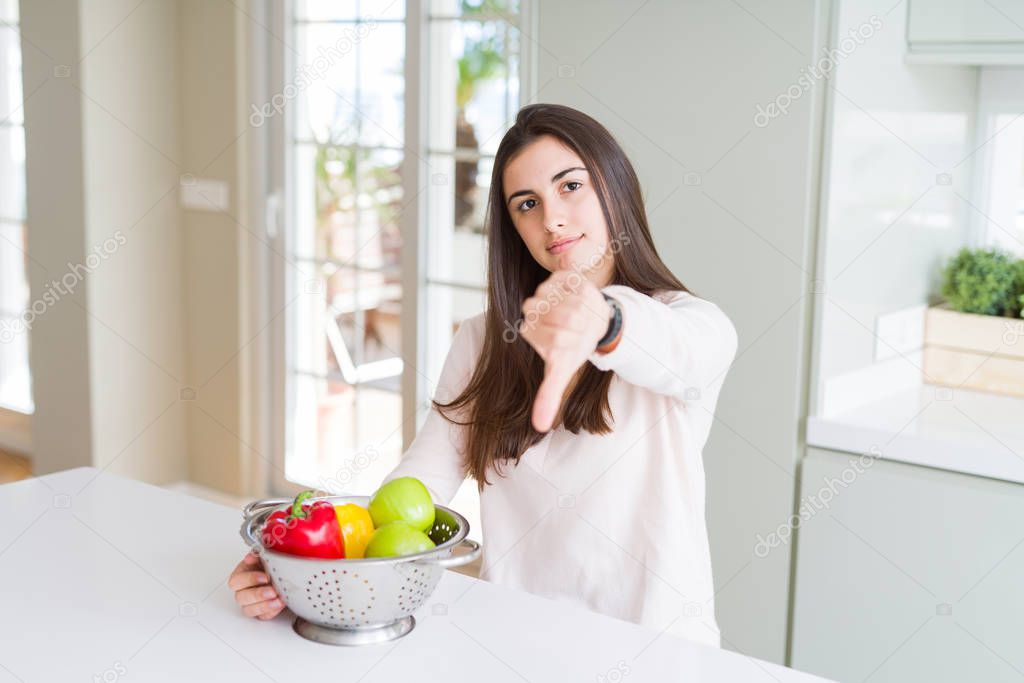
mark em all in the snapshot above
pixel 549 395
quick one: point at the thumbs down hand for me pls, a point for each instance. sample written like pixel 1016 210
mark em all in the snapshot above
pixel 562 321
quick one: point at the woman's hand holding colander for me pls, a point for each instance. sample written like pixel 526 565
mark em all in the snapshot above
pixel 253 591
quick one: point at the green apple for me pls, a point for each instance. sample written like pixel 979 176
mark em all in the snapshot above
pixel 405 499
pixel 396 539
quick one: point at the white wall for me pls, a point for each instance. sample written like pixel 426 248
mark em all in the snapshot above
pixel 132 123
pixel 678 83
pixel 103 147
pixel 216 135
pixel 160 93
pixel 59 340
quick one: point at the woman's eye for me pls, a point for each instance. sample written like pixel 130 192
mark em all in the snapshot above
pixel 571 186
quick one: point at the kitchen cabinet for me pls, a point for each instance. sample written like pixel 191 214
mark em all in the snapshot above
pixel 909 574
pixel 965 31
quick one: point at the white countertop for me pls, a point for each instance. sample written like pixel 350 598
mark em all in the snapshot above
pixel 952 429
pixel 107 578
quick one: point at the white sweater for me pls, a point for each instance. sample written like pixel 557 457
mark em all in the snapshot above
pixel 612 523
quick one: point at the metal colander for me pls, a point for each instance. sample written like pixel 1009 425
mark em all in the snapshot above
pixel 364 601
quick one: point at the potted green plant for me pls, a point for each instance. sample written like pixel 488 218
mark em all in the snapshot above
pixel 975 338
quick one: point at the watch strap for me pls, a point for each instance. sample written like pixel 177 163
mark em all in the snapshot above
pixel 611 339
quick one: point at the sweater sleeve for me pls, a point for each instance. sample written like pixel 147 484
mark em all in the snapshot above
pixel 436 455
pixel 685 344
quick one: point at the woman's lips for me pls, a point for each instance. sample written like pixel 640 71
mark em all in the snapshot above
pixel 564 246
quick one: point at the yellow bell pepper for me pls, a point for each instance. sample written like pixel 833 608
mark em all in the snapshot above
pixel 356 529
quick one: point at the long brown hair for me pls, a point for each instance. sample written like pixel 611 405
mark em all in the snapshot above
pixel 498 401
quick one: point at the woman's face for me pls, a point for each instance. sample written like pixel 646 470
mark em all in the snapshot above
pixel 556 211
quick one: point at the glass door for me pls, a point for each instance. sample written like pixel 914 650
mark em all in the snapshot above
pixel 383 166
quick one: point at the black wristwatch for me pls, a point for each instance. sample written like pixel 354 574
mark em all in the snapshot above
pixel 614 325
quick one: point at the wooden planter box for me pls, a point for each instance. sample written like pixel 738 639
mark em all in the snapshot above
pixel 956 346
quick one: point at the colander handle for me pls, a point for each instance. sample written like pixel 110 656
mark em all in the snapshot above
pixel 249 514
pixel 456 560
pixel 253 508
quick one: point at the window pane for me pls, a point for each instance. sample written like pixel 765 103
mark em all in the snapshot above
pixel 474 84
pixel 350 325
pixel 348 10
pixel 346 439
pixel 12 173
pixel 381 205
pixel 326 106
pixel 9 10
pixel 325 201
pixel 349 206
pixel 471 187
pixel 345 379
pixel 15 379
pixel 1005 175
pixel 350 90
pixel 448 307
pixel 10 77
pixel 456 248
pixel 15 320
pixel 13 276
pixel 365 307
pixel 471 8
pixel 382 86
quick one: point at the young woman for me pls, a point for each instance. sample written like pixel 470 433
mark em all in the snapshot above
pixel 580 400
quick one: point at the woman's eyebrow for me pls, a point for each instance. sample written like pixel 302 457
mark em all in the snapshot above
pixel 554 179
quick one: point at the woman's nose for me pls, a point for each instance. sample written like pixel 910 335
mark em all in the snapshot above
pixel 554 220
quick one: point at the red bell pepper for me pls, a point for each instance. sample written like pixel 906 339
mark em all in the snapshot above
pixel 307 530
